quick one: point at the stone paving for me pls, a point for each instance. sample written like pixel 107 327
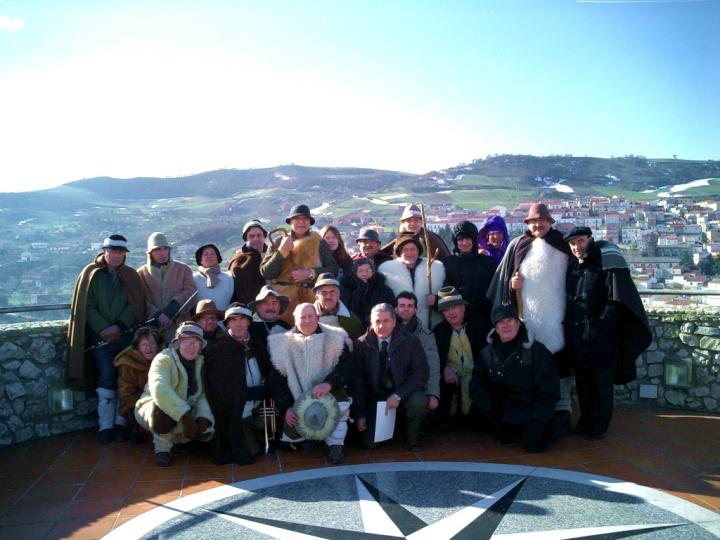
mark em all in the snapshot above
pixel 67 486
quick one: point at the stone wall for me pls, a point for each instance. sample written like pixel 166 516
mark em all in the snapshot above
pixel 687 335
pixel 33 355
pixel 32 360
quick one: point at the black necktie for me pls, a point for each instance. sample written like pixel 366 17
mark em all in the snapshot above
pixel 384 378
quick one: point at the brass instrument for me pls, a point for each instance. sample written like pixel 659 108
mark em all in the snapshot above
pixel 269 415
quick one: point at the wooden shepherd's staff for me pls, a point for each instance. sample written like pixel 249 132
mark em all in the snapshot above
pixel 429 260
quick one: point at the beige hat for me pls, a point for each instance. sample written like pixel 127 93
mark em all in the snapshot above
pixel 189 329
pixel 156 240
pixel 326 279
pixel 539 211
pixel 411 211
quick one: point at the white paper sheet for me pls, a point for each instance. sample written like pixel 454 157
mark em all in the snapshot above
pixel 384 425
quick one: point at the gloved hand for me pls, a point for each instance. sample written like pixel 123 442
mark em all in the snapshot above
pixel 202 426
pixel 532 438
pixel 190 429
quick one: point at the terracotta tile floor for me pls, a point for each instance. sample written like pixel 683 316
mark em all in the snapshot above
pixel 70 487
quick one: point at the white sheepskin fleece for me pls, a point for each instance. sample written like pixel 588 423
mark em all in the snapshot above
pixel 543 293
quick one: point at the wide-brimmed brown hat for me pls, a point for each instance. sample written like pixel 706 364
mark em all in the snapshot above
pixel 403 239
pixel 207 307
pixel 539 211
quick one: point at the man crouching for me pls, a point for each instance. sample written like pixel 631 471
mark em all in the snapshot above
pixel 311 357
pixel 515 384
pixel 173 405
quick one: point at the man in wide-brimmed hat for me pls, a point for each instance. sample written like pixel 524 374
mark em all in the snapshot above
pixel 514 385
pixel 605 327
pixel 174 406
pixel 107 301
pixel 459 342
pixel 167 284
pixel 408 273
pixel 207 315
pixel 292 267
pixel 267 306
pixel 369 243
pixel 531 275
pixel 331 309
pixel 312 357
pixel 411 222
pixel 244 266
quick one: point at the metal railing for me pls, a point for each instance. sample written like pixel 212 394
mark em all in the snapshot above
pixel 643 292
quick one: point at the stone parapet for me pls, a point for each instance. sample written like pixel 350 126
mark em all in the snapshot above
pixel 32 364
pixel 680 369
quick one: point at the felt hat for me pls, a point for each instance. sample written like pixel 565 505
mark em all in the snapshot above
pixel 300 210
pixel 317 417
pixel 449 297
pixel 403 239
pixel 539 211
pixel 368 234
pixel 207 307
pixel 264 293
pixel 578 231
pixel 326 279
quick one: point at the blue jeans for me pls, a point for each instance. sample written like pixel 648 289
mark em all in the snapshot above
pixel 104 358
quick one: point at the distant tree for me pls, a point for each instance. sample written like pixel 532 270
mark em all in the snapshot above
pixel 707 265
pixel 446 234
pixel 686 262
pixel 716 267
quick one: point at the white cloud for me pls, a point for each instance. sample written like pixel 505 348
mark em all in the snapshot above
pixel 10 23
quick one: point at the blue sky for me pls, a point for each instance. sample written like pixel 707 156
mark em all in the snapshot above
pixel 129 88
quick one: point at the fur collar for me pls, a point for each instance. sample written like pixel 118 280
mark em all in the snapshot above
pixel 306 360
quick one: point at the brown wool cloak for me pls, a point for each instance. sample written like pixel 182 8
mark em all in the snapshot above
pixel 79 372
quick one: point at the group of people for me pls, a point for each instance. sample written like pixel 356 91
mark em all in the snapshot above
pixel 488 335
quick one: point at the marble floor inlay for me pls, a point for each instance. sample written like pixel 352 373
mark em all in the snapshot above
pixel 430 500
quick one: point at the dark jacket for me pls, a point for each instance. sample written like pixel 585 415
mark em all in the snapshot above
pixel 360 297
pixel 259 330
pixel 245 270
pixel 475 330
pixel 519 388
pixel 407 363
pixel 471 274
pixel 605 321
pixel 227 391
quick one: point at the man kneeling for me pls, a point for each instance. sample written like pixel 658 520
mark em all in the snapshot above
pixel 515 384
pixel 390 366
pixel 173 405
pixel 311 358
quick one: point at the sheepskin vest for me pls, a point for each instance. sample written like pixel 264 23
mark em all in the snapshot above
pixel 306 360
pixel 543 293
pixel 305 254
pixel 397 277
